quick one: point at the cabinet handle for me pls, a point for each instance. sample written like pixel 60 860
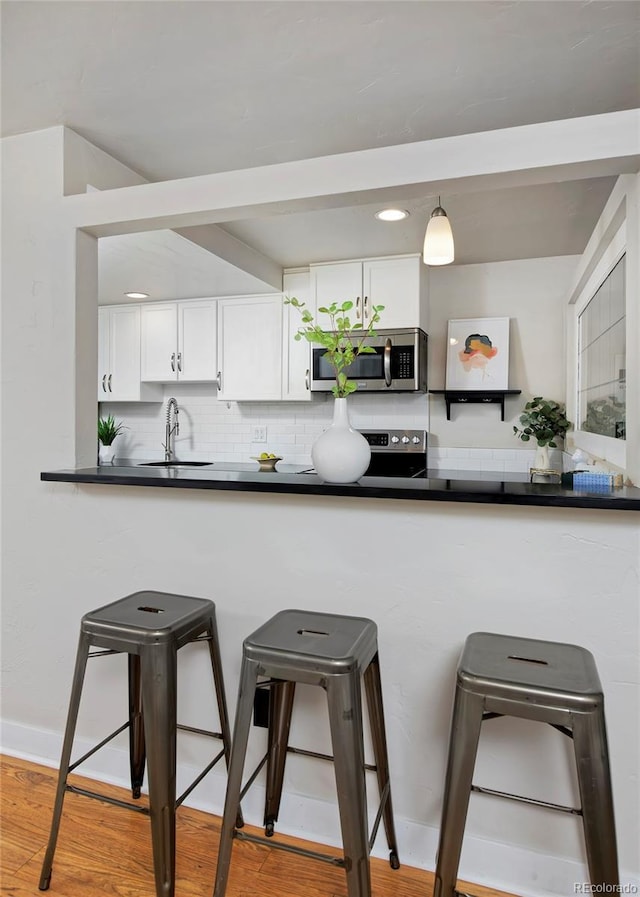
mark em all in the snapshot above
pixel 219 379
pixel 173 361
pixel 358 307
pixel 306 379
pixel 109 381
pixel 180 361
pixel 104 383
pixel 365 309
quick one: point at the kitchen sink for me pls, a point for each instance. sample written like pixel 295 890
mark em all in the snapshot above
pixel 176 464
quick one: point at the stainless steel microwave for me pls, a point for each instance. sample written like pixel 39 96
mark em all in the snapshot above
pixel 399 364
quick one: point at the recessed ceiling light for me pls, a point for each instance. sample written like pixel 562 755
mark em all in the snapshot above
pixel 391 214
pixel 137 295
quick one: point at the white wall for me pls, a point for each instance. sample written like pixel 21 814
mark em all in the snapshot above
pixel 531 292
pixel 428 573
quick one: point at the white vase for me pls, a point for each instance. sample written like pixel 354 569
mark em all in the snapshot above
pixel 106 453
pixel 341 454
pixel 541 461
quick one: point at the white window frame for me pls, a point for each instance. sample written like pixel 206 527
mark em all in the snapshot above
pixel 605 447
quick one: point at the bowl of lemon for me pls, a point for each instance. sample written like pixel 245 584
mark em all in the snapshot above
pixel 267 461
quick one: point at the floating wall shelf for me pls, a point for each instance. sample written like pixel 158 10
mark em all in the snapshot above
pixel 475 397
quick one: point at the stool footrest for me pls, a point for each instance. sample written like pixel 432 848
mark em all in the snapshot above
pixel 304 753
pixel 197 731
pixel 97 747
pixel 311 854
pixel 260 840
pixel 199 778
pixel 139 808
pixel 527 800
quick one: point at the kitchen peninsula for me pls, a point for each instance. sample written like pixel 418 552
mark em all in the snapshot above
pixel 297 481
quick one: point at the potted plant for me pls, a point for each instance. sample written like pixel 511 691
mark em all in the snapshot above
pixel 545 421
pixel 340 454
pixel 108 429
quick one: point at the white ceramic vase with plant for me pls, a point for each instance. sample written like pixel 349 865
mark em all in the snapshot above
pixel 108 430
pixel 545 421
pixel 340 454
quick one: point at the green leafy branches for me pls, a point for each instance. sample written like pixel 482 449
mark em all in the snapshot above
pixel 543 420
pixel 343 340
pixel 108 429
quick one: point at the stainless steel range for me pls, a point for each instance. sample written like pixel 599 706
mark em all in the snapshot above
pixel 397 453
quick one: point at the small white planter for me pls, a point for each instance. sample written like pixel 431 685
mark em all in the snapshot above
pixel 341 454
pixel 106 453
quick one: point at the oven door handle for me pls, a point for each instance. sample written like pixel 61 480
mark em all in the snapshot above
pixel 387 362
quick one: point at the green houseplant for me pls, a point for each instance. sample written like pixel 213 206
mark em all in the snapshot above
pixel 344 340
pixel 108 429
pixel 340 454
pixel 545 421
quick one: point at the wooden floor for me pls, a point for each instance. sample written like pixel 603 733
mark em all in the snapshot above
pixel 106 850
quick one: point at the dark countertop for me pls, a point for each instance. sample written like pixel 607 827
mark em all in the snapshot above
pixel 484 487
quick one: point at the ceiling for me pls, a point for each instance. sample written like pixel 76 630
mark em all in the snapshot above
pixel 185 88
pixel 166 266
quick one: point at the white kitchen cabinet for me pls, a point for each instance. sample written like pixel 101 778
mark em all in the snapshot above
pixel 336 282
pixel 178 341
pixel 397 282
pixel 250 348
pixel 119 356
pixel 296 355
pixel 159 341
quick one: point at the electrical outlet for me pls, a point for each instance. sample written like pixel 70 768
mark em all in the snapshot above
pixel 259 434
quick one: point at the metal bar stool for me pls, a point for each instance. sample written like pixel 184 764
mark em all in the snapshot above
pixel 150 627
pixel 337 653
pixel 501 675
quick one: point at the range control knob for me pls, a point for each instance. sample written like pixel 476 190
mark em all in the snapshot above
pixel 395 440
pixel 405 440
pixel 416 440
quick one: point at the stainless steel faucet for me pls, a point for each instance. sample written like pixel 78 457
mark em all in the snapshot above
pixel 170 431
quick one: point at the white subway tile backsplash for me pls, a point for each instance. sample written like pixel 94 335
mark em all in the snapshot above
pixel 493 464
pixel 213 430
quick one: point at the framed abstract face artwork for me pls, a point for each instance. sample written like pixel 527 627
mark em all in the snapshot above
pixel 478 353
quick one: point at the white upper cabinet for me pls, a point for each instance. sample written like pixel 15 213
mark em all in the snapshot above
pixel 159 341
pixel 336 282
pixel 296 355
pixel 119 356
pixel 250 348
pixel 197 340
pixel 398 282
pixel 178 341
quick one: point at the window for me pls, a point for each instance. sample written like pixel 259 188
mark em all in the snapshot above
pixel 602 359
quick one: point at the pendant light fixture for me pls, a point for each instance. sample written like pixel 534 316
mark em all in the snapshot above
pixel 438 240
